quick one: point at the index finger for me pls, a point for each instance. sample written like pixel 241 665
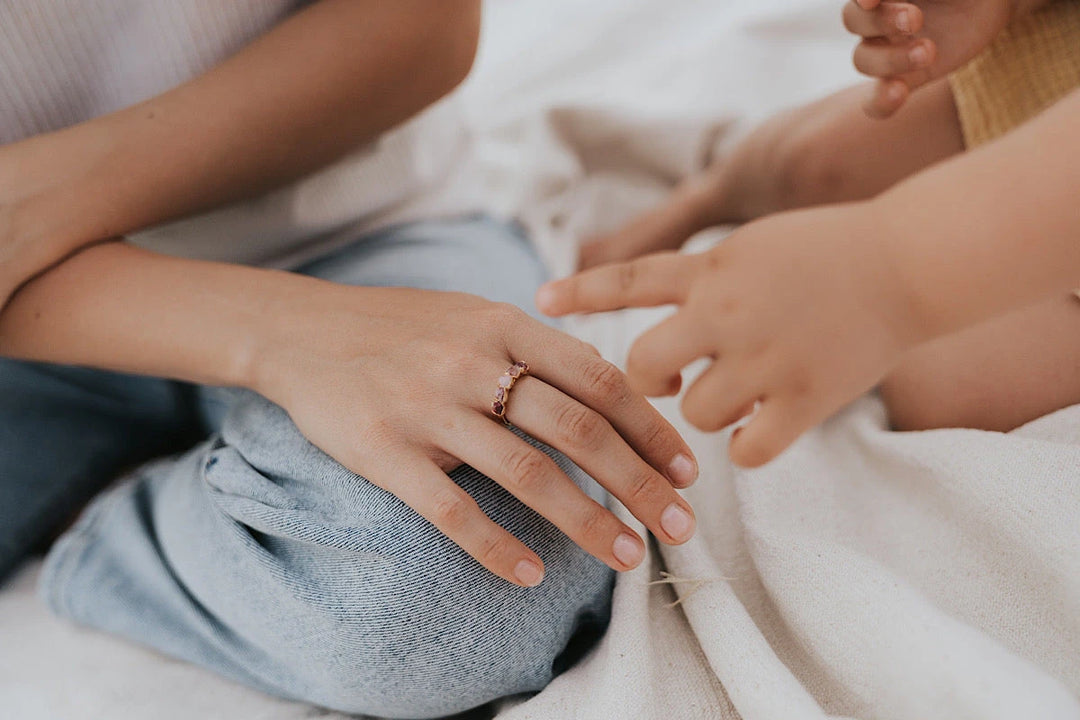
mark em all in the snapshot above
pixel 578 371
pixel 648 281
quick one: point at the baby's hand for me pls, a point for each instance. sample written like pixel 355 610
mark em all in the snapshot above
pixel 743 184
pixel 800 312
pixel 907 44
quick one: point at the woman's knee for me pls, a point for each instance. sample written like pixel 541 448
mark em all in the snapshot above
pixel 369 608
pixel 432 633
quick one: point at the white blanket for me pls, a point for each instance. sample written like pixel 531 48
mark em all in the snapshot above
pixel 864 574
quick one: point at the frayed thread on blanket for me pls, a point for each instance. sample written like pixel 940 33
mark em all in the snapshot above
pixel 692 585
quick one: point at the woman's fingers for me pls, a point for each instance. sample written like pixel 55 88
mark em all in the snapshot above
pixel 578 371
pixel 591 442
pixel 892 20
pixel 881 58
pixel 421 485
pixel 534 478
pixel 645 282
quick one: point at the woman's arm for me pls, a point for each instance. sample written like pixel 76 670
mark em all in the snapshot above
pixel 117 307
pixel 321 83
pixel 394 383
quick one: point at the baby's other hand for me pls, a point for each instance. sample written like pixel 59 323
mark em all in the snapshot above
pixel 746 182
pixel 905 45
pixel 800 313
pixel 696 204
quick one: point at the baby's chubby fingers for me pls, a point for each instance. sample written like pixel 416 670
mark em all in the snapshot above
pixel 881 58
pixel 888 20
pixel 886 98
pixel 657 358
pixel 660 279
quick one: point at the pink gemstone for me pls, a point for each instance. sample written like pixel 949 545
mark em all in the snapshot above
pixel 514 371
pixel 506 381
pixel 500 394
pixel 523 365
pixel 498 408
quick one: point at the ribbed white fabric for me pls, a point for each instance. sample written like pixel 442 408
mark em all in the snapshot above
pixel 65 61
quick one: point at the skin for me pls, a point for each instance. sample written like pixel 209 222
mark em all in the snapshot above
pixel 908 45
pixel 804 310
pixel 324 352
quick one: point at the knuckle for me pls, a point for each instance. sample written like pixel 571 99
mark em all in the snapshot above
pixel 590 349
pixel 493 548
pixel 641 489
pixel 450 510
pixel 607 381
pixel 656 434
pixel 594 524
pixel 379 435
pixel 579 426
pixel 505 315
pixel 527 469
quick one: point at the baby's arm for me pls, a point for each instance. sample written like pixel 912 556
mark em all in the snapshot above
pixel 803 311
pixel 825 152
pixel 993 230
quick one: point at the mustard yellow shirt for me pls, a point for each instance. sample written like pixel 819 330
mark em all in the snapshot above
pixel 1029 67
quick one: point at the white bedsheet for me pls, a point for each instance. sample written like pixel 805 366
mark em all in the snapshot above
pixel 865 574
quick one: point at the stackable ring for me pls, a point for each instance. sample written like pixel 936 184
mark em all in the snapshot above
pixel 506 383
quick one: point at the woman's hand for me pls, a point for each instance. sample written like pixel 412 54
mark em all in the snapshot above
pixel 908 44
pixel 800 313
pixel 397 385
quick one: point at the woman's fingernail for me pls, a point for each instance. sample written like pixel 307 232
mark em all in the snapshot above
pixel 529 573
pixel 919 56
pixel 545 298
pixel 677 522
pixel 682 471
pixel 628 550
pixel 903 21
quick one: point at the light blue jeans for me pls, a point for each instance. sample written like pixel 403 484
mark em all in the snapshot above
pixel 257 556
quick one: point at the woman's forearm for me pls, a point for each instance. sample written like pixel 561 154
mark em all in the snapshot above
pixel 321 83
pixel 117 307
pixel 992 230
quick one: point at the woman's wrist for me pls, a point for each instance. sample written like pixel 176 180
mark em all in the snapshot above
pixel 274 339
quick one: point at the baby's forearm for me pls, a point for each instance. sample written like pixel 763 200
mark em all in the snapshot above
pixel 320 84
pixel 995 229
pixel 830 152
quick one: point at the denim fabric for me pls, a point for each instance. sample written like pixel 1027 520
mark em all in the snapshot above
pixel 258 556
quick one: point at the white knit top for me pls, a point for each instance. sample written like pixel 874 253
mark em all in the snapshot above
pixel 65 61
